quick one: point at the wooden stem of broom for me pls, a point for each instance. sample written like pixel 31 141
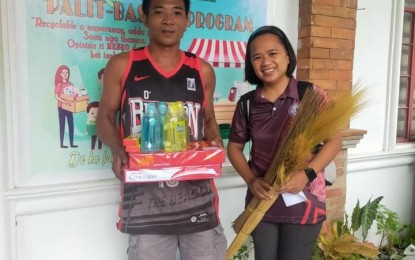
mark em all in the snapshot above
pixel 249 225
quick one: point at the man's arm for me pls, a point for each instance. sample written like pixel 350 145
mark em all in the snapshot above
pixel 108 108
pixel 211 126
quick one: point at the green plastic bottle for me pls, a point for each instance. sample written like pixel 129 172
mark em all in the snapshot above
pixel 176 128
pixel 182 127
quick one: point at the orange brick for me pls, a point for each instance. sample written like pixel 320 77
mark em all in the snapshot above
pixel 324 64
pixel 304 31
pixel 332 43
pixel 318 74
pixel 341 74
pixel 303 74
pixel 335 22
pixel 305 19
pixel 349 3
pixel 327 2
pixel 321 31
pixel 326 84
pixel 340 33
pixel 344 12
pixel 320 53
pixel 335 192
pixel 304 63
pixel 345 65
pixel 304 42
pixel 336 201
pixel 341 54
pixel 304 53
pixel 344 85
pixel 322 9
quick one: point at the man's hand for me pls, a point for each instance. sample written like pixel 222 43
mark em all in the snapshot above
pixel 119 162
pixel 218 142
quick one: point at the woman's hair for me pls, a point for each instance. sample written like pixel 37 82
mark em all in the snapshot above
pixel 146 6
pixel 58 77
pixel 250 75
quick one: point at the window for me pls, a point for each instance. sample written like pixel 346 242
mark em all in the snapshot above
pixel 406 109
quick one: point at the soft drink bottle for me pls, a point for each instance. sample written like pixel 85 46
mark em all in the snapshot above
pixel 150 135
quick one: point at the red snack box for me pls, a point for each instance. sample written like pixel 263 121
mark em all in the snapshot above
pixel 180 173
pixel 201 155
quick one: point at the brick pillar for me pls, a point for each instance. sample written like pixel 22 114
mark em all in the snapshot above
pixel 325 57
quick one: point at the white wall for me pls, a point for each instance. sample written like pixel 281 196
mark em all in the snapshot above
pixel 379 167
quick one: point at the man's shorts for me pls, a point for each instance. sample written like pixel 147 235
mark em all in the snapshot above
pixel 206 245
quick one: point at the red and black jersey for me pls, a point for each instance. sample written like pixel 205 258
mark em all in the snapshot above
pixel 145 82
pixel 165 207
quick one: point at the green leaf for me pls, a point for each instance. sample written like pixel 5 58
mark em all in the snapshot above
pixel 368 215
pixel 355 225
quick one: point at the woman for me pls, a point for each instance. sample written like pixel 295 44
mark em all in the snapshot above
pixel 285 232
pixel 64 86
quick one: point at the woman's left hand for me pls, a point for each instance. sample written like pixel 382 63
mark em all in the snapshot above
pixel 295 184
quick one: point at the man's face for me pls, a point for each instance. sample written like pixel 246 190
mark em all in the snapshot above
pixel 166 22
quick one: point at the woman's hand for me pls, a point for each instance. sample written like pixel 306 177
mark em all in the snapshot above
pixel 261 189
pixel 295 184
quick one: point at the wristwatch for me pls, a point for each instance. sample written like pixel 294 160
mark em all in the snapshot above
pixel 311 174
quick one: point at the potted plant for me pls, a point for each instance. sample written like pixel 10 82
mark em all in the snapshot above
pixel 337 240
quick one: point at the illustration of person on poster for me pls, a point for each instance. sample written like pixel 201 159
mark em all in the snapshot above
pixel 91 128
pixel 64 88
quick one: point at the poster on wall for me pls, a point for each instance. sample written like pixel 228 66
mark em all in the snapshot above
pixel 69 42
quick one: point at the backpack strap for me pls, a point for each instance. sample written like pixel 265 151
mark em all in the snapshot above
pixel 302 86
pixel 246 104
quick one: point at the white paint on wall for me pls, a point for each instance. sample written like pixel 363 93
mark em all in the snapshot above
pixel 370 70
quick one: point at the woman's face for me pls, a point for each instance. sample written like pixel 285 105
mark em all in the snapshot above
pixel 65 74
pixel 269 59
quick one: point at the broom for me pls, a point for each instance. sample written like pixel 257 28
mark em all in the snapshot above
pixel 316 120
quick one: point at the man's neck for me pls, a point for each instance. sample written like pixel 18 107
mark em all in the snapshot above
pixel 165 57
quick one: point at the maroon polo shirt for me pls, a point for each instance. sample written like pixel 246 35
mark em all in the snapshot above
pixel 269 122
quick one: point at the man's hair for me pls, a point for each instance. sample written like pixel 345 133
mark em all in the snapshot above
pixel 146 6
pixel 250 75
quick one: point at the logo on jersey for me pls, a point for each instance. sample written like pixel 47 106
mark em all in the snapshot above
pixel 292 111
pixel 191 84
pixel 137 78
pixel 146 94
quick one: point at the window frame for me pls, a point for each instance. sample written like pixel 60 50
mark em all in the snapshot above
pixel 409 106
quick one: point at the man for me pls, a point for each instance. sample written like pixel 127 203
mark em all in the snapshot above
pixel 161 217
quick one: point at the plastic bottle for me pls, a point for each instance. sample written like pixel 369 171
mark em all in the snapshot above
pixel 182 130
pixel 162 109
pixel 169 122
pixel 150 135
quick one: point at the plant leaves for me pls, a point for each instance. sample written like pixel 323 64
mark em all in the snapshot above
pixel 355 225
pixel 368 215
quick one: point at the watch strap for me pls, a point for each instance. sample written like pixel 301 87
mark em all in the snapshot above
pixel 311 174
